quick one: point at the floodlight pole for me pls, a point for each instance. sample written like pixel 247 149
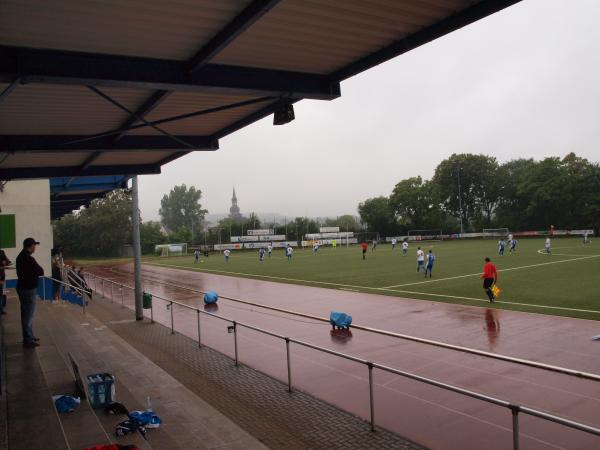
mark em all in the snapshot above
pixel 460 203
pixel 137 250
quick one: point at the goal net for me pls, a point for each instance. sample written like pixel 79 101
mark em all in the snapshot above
pixel 495 232
pixel 425 235
pixel 170 249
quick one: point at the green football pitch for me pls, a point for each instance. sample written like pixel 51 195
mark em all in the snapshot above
pixel 567 282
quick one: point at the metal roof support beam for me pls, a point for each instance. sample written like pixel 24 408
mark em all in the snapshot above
pixel 147 107
pixel 8 90
pixel 90 160
pixel 237 26
pixel 64 200
pixel 112 101
pixel 53 143
pixel 118 71
pixel 254 117
pixel 462 18
pixel 244 20
pixel 202 112
pixel 15 173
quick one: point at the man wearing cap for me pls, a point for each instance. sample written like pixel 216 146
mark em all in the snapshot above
pixel 28 272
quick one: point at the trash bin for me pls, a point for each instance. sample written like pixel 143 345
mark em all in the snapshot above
pixel 101 389
pixel 147 301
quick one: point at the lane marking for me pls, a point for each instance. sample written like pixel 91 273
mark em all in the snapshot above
pixel 499 270
pixel 533 305
pixel 273 277
pixel 363 288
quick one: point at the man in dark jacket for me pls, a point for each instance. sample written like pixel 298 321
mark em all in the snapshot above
pixel 28 272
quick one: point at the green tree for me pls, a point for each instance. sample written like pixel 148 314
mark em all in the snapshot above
pixel 151 234
pixel 478 178
pixel 378 215
pixel 416 205
pixel 345 222
pixel 252 222
pixel 182 208
pixel 102 229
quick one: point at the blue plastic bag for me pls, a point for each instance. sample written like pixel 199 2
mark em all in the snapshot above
pixel 340 319
pixel 65 403
pixel 210 297
pixel 147 418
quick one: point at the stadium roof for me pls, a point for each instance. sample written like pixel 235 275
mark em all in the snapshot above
pixel 105 87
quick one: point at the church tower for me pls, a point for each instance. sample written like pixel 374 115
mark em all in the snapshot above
pixel 234 211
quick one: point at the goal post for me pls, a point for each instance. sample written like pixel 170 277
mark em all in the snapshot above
pixel 426 235
pixel 167 250
pixel 495 232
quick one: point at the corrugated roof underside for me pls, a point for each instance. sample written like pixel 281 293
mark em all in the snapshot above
pixel 149 28
pixel 321 36
pixel 58 109
pixel 48 159
pixel 77 158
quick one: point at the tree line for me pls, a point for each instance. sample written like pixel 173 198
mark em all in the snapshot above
pixel 522 194
pixel 104 228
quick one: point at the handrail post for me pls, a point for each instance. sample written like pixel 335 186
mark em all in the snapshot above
pixel 235 342
pixel 112 284
pixel 289 365
pixel 199 335
pixel 515 425
pixel 172 322
pixel 371 398
pixel 122 303
pixel 102 282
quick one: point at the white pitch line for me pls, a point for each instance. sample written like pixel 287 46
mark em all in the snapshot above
pixel 254 275
pixel 389 290
pixel 497 302
pixel 500 270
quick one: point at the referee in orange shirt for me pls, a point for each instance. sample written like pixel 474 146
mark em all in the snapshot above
pixel 490 277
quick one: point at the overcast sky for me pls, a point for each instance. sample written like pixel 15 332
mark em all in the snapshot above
pixel 524 82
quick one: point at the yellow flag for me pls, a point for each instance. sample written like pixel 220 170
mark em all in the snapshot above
pixel 496 291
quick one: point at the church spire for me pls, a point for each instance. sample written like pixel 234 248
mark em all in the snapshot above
pixel 234 211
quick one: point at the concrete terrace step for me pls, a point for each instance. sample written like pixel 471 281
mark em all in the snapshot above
pixel 32 421
pixel 188 422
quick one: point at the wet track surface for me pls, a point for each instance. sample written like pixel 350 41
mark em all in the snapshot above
pixel 425 414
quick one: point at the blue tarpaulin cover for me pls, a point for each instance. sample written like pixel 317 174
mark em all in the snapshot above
pixel 211 297
pixel 340 319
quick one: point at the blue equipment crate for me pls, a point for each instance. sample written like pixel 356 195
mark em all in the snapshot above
pixel 101 389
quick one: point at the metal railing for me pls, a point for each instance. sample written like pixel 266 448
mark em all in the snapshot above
pixel 81 291
pixel 459 348
pixel 514 408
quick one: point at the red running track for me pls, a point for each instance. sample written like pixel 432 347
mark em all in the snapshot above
pixel 428 415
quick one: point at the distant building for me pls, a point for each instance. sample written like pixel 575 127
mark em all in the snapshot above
pixel 234 211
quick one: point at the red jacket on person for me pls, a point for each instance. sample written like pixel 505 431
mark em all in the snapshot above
pixel 489 271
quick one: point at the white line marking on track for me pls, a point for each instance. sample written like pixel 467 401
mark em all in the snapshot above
pixel 500 270
pixel 367 288
pixel 533 305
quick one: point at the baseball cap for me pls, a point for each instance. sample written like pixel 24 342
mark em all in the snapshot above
pixel 30 241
